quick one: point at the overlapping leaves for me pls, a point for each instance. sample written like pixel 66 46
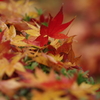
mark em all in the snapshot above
pixel 37 61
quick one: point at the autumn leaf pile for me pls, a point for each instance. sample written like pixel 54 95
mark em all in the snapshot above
pixel 37 61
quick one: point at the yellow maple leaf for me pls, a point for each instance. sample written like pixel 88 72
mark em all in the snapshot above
pixel 49 61
pixel 37 79
pixel 4 27
pixel 9 33
pixel 18 41
pixel 9 67
pixel 49 95
pixel 12 32
pixel 57 57
pixel 34 31
pixel 82 91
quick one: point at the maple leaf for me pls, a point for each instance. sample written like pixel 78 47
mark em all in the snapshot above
pixel 18 36
pixel 57 57
pixel 21 26
pixel 51 50
pixel 44 81
pixel 30 41
pixel 49 61
pixel 18 41
pixel 8 33
pixel 66 46
pixel 54 60
pixel 9 67
pixel 12 32
pixel 4 48
pixel 5 31
pixel 9 87
pixel 84 89
pixel 71 57
pixel 63 83
pixel 44 20
pixel 48 95
pixel 53 30
pixel 34 31
pixel 35 81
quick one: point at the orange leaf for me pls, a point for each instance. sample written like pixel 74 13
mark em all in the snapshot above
pixel 9 87
pixel 66 46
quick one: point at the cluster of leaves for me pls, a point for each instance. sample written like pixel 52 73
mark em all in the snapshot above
pixel 37 61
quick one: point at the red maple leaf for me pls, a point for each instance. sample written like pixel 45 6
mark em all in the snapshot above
pixel 54 28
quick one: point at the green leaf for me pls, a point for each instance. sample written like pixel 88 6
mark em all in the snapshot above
pixel 25 59
pixel 69 73
pixel 21 47
pixel 45 68
pixel 23 92
pixel 86 73
pixel 45 50
pixel 28 67
pixel 73 71
pixel 27 18
pixel 32 66
pixel 40 11
pixel 81 79
pixel 45 23
pixel 27 36
pixel 63 71
pixel 92 80
pixel 0 30
pixel 26 93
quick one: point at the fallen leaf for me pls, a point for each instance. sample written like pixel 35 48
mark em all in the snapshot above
pixel 52 31
pixel 48 95
pixel 34 31
pixel 10 87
